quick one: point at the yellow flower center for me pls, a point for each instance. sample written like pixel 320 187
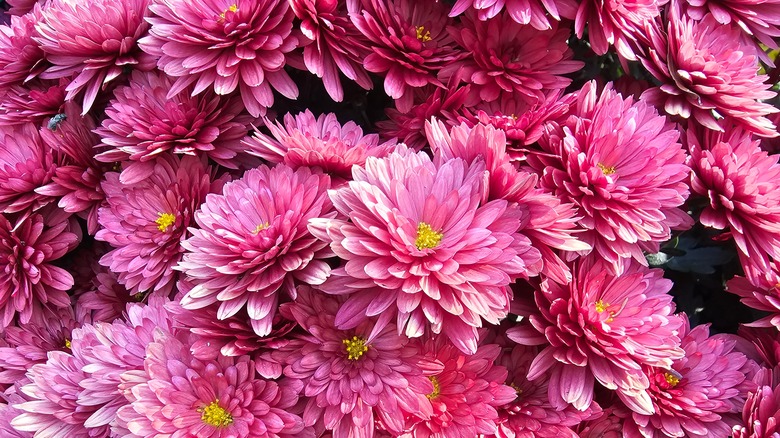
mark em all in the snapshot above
pixel 164 220
pixel 601 306
pixel 427 238
pixel 261 227
pixel 671 379
pixel 67 344
pixel 606 170
pixel 436 388
pixel 215 415
pixel 516 388
pixel 231 8
pixel 422 34
pixel 356 347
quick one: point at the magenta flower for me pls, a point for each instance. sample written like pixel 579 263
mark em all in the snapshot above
pixel 253 243
pixel 21 59
pixel 708 74
pixel 533 12
pixel 694 396
pixel 28 281
pixel 758 18
pixel 761 413
pixel 225 45
pixel 760 290
pixel 607 425
pixel 605 327
pixel 321 142
pixel 143 121
pixel 146 222
pixel 26 163
pixel 94 54
pixel 409 43
pixel 103 300
pixel 615 23
pixel 467 392
pixel 223 398
pixel 32 102
pixel 8 412
pixel 621 164
pixel 336 45
pixel 410 247
pixel 741 183
pixel 506 57
pixel 352 378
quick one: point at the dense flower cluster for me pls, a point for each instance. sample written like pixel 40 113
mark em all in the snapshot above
pixel 389 218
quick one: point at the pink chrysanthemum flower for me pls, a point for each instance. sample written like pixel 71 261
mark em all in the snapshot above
pixel 8 412
pixel 317 142
pixel 693 397
pixel 615 23
pixel 467 391
pixel 225 45
pixel 607 425
pixel 188 397
pixel 28 279
pixel 336 46
pixel 253 243
pixel 506 57
pixel 21 59
pixel 761 290
pixel 761 412
pixel 29 344
pixel 21 7
pixel 741 183
pixel 76 180
pixel 758 18
pixel 104 300
pixel 409 247
pixel 603 327
pixel 143 121
pixel 621 164
pixel 409 43
pixel 146 222
pixel 26 163
pixel 93 41
pixel 32 102
pixel 533 12
pixel 708 74
pixel 53 409
pixel 446 104
pixel 353 378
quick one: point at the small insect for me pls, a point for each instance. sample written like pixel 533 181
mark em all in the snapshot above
pixel 55 121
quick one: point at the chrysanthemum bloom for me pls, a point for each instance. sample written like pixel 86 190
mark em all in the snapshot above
pixel 52 409
pixel 104 300
pixel 766 345
pixel 707 74
pixel 26 163
pixel 533 12
pixel 21 7
pixel 317 142
pixel 467 391
pixel 336 46
pixel 621 164
pixel 185 396
pixel 761 413
pixel 21 59
pixel 146 222
pixel 8 412
pixel 759 19
pixel 353 378
pixel 409 43
pixel 614 23
pixel 607 425
pixel 76 180
pixel 548 224
pixel 143 121
pixel 692 397
pixel 94 41
pixel 446 104
pixel 225 45
pixel 506 57
pixel 28 280
pixel 741 183
pixel 252 243
pixel 32 102
pixel 409 247
pixel 605 327
pixel 760 290
pixel 530 414
pixel 28 344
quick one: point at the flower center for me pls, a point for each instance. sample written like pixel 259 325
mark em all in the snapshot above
pixel 215 415
pixel 427 238
pixel 671 379
pixel 67 344
pixel 606 170
pixel 164 220
pixel 436 388
pixel 356 347
pixel 601 306
pixel 261 227
pixel 422 34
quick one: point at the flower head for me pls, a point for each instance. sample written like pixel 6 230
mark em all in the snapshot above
pixel 21 59
pixel 26 163
pixel 615 23
pixel 533 12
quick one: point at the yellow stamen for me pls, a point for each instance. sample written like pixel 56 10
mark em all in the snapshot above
pixel 671 379
pixel 436 388
pixel 261 227
pixel 67 344
pixel 355 347
pixel 606 170
pixel 601 306
pixel 231 8
pixel 516 388
pixel 164 220
pixel 422 34
pixel 215 415
pixel 427 238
